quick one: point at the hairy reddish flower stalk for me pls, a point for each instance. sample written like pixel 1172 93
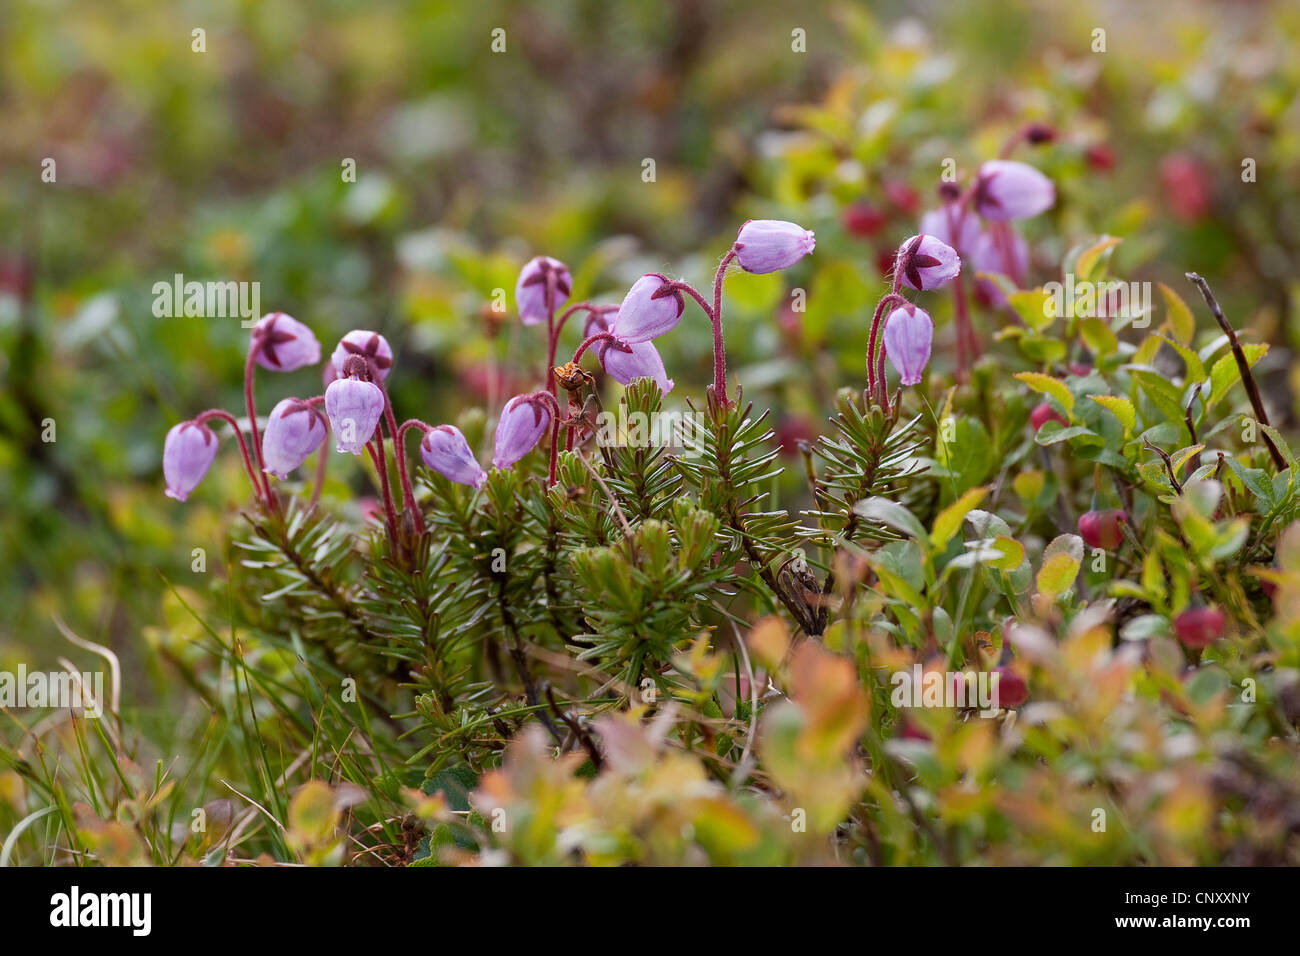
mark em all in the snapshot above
pixel 581 307
pixel 225 416
pixel 553 407
pixel 714 312
pixel 1002 235
pixel 399 452
pixel 555 450
pixel 587 343
pixel 250 405
pixel 968 347
pixel 875 349
pixel 322 458
pixel 377 455
pixel 552 332
pixel 409 424
pixel 720 349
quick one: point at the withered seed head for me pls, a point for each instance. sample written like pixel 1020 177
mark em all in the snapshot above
pixel 571 377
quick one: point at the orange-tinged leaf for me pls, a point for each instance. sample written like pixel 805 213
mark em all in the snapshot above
pixel 769 642
pixel 311 811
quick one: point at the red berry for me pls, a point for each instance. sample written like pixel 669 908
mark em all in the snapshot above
pixel 1012 689
pixel 1102 529
pixel 1187 187
pixel 790 323
pixel 911 731
pixel 16 277
pixel 1044 413
pixel 863 220
pixel 903 196
pixel 792 430
pixel 1100 157
pixel 1198 627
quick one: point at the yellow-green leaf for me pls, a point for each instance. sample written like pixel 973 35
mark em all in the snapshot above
pixel 1057 574
pixel 1049 386
pixel 1029 485
pixel 1093 257
pixel 311 811
pixel 1180 458
pixel 1034 306
pixel 1224 374
pixel 1121 408
pixel 1181 321
pixel 1146 352
pixel 1195 368
pixel 951 517
pixel 1099 337
pixel 1013 553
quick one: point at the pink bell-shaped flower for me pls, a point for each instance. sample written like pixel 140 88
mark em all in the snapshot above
pixel 768 245
pixel 188 452
pixel 523 422
pixel 283 344
pixel 445 450
pixel 908 332
pixel 293 431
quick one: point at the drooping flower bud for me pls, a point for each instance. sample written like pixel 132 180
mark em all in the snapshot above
pixel 767 245
pixel 1199 627
pixel 1102 529
pixel 371 346
pixel 354 408
pixel 650 308
pixel 446 451
pixel 1006 189
pixel 293 431
pixel 952 226
pixel 530 290
pixel 1044 413
pixel 926 262
pixel 283 344
pixel 908 331
pixel 188 452
pixel 523 422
